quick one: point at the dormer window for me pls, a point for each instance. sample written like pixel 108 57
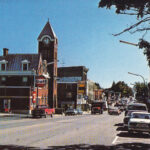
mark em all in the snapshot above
pixel 25 65
pixel 3 65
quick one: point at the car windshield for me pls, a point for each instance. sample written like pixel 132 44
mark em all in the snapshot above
pixel 141 116
pixel 133 107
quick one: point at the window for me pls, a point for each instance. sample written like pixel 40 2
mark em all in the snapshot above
pixel 25 65
pixel 24 79
pixel 25 68
pixel 3 67
pixel 3 78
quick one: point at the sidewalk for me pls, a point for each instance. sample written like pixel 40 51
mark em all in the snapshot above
pixel 14 115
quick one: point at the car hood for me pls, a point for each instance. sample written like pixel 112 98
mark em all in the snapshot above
pixel 140 120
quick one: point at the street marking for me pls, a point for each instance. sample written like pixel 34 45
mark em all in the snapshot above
pixel 114 141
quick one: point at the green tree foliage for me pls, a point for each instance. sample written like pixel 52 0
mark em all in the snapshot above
pixel 121 87
pixel 141 91
pixel 146 46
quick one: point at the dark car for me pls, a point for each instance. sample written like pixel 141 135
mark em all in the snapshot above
pixel 42 111
pixel 114 111
pixel 71 112
pixel 97 107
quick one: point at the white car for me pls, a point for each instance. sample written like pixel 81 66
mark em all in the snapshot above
pixel 139 122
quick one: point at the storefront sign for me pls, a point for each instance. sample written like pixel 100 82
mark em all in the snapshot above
pixel 34 96
pixel 40 81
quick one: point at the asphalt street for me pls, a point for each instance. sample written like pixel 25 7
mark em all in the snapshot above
pixel 62 131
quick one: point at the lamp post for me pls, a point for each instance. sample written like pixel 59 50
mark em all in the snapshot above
pixel 142 79
pixel 138 76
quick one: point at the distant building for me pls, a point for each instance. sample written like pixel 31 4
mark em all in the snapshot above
pixel 71 86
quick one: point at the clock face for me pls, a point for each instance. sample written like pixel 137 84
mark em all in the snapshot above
pixel 46 40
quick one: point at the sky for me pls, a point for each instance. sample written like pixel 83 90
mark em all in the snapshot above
pixel 84 34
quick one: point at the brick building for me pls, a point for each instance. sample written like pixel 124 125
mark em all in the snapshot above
pixel 19 76
pixel 70 91
pixel 47 47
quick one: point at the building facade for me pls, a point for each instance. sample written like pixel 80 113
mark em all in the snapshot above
pixel 47 47
pixel 20 77
pixel 71 86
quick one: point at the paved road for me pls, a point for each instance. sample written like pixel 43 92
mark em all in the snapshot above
pixel 69 131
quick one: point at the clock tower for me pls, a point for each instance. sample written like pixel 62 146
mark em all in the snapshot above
pixel 47 47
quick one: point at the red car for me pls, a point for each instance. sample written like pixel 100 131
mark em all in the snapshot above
pixel 42 110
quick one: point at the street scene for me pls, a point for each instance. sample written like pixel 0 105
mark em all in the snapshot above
pixel 74 75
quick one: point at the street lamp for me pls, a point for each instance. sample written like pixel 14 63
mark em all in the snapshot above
pixel 138 76
pixel 141 77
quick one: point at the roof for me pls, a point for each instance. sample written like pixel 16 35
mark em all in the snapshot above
pixel 47 30
pixel 69 67
pixel 15 61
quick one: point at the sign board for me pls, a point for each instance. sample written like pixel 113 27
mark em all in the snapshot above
pixel 40 81
pixel 34 96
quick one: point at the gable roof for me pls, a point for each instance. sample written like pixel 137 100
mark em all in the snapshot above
pixel 47 30
pixel 15 61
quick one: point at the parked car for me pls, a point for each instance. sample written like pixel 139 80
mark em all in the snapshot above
pixel 136 106
pixel 71 111
pixel 133 107
pixel 79 112
pixel 126 119
pixel 139 122
pixel 114 111
pixel 42 110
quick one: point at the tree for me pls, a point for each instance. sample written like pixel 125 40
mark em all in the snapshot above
pixel 141 91
pixel 138 8
pixel 122 88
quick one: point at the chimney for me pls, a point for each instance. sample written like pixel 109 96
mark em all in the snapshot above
pixel 5 51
